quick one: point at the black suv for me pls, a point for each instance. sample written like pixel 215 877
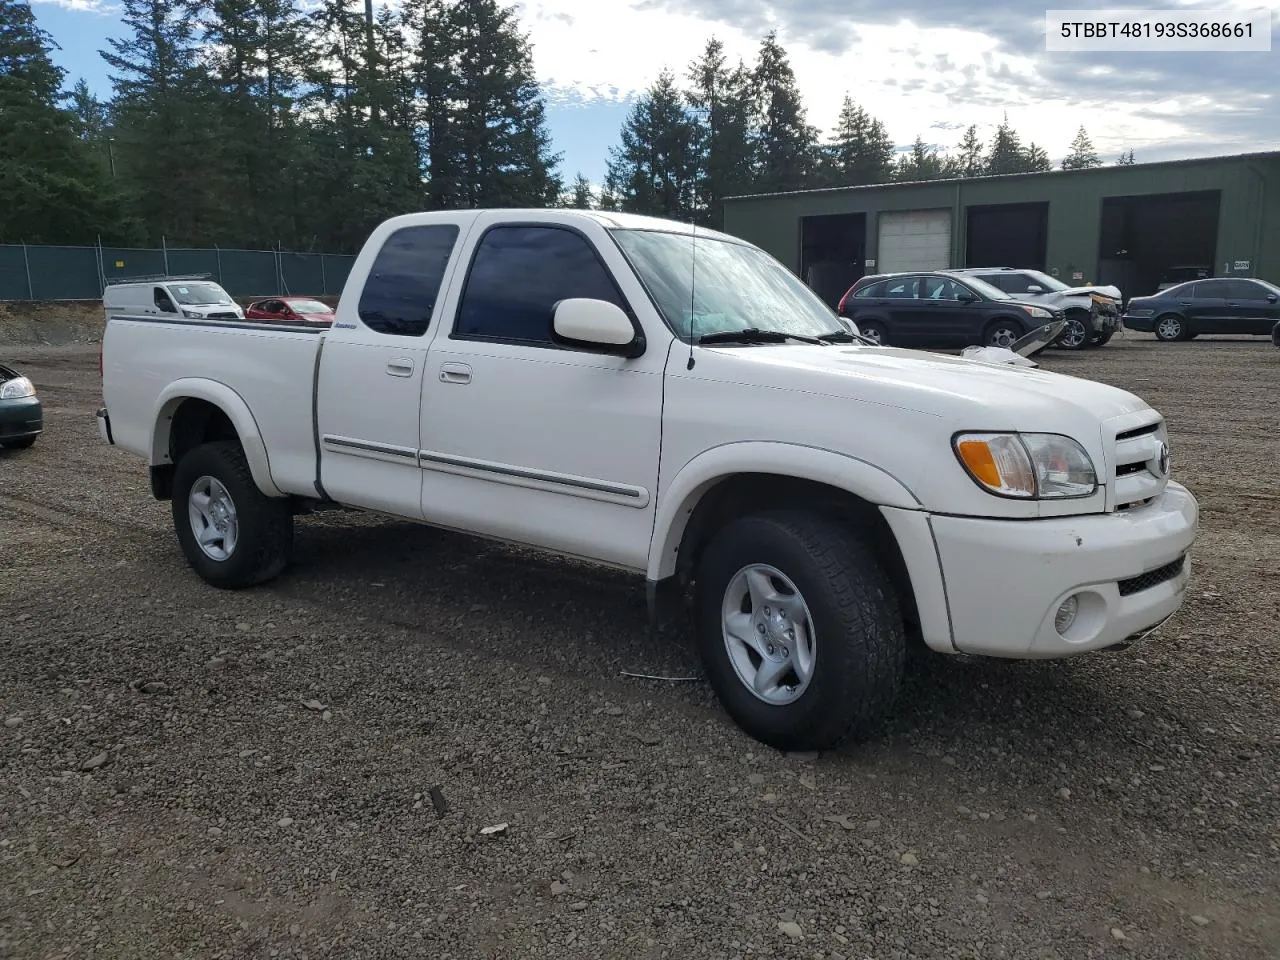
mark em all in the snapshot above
pixel 940 309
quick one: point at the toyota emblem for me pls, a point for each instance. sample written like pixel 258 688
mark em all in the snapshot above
pixel 1162 461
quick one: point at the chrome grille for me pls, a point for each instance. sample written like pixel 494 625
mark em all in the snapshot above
pixel 1136 448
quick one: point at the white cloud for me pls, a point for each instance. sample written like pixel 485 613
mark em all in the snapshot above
pixel 918 79
pixel 84 6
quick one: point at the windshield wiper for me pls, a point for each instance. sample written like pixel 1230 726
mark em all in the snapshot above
pixel 755 335
pixel 844 336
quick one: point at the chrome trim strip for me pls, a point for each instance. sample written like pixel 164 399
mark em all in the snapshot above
pixel 365 447
pixel 500 472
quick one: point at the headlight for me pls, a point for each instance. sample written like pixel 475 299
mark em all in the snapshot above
pixel 1040 313
pixel 191 314
pixel 17 389
pixel 1029 466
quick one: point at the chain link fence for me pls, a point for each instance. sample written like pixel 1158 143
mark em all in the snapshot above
pixel 30 272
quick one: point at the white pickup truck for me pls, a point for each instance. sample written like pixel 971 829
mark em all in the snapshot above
pixel 675 403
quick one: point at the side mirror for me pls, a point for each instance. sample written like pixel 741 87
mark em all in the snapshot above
pixel 1033 288
pixel 1272 298
pixel 596 323
pixel 967 296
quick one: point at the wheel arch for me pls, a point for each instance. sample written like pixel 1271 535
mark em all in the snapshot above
pixel 192 411
pixel 726 481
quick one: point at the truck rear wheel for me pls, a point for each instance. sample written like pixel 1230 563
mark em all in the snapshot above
pixel 232 534
pixel 799 630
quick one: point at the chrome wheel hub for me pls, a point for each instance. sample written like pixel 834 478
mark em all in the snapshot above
pixel 768 634
pixel 213 518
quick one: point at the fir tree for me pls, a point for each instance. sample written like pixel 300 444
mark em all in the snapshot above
pixel 921 163
pixel 1082 155
pixel 723 103
pixel 51 190
pixel 654 169
pixel 970 162
pixel 1006 154
pixel 581 195
pixel 1126 159
pixel 786 145
pixel 1036 159
pixel 860 151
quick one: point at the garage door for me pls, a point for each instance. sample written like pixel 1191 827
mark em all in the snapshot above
pixel 914 240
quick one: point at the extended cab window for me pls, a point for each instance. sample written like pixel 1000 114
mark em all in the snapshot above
pixel 163 301
pixel 400 292
pixel 517 277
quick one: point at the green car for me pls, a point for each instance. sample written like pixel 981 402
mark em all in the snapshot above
pixel 21 415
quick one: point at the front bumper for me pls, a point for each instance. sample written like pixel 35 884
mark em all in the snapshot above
pixel 21 418
pixel 1002 581
pixel 1141 324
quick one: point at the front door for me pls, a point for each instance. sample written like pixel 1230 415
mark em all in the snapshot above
pixel 372 364
pixel 527 439
pixel 1255 308
pixel 1205 306
pixel 944 319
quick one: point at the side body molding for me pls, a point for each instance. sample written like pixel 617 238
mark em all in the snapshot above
pixel 677 501
pixel 237 411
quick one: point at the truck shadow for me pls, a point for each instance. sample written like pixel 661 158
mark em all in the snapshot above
pixel 558 615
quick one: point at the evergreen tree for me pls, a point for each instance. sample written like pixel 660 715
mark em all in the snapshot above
pixel 970 162
pixel 1082 155
pixel 723 103
pixel 860 150
pixel 168 143
pixel 786 145
pixel 51 190
pixel 1036 159
pixel 654 169
pixel 1006 154
pixel 581 196
pixel 1126 159
pixel 922 163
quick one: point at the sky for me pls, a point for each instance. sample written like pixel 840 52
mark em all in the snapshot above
pixel 923 67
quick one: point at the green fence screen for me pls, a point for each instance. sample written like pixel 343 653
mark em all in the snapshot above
pixel 30 272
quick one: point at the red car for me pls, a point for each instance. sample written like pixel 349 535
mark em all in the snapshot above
pixel 289 310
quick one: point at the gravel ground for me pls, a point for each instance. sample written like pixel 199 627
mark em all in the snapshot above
pixel 190 773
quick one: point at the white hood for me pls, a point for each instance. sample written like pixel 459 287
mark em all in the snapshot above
pixel 1112 292
pixel 952 388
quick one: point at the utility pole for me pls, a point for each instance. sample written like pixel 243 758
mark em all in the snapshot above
pixel 372 57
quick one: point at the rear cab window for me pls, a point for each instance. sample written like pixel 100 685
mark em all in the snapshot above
pixel 400 292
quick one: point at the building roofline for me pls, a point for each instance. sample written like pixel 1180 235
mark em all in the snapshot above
pixel 1185 161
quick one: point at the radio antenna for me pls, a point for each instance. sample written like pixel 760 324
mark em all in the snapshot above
pixel 693 297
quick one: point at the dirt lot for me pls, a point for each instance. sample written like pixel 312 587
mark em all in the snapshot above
pixel 166 791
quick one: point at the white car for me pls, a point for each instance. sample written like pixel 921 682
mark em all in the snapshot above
pixel 193 298
pixel 674 403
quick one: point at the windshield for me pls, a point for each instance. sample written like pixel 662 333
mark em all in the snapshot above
pixel 308 306
pixel 727 286
pixel 1046 281
pixel 986 289
pixel 198 293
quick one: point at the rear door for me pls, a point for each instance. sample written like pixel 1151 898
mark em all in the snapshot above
pixel 1204 304
pixel 898 300
pixel 369 386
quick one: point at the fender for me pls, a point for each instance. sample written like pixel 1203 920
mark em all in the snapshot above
pixel 237 411
pixel 676 503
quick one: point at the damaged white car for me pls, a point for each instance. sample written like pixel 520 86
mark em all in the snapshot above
pixel 1093 312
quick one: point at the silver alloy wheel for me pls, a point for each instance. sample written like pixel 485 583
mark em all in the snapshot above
pixel 768 634
pixel 1073 335
pixel 213 518
pixel 872 333
pixel 1003 336
pixel 1170 328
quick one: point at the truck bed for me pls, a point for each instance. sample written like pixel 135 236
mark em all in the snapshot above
pixel 271 367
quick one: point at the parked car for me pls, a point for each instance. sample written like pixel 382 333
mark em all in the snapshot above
pixel 290 310
pixel 21 413
pixel 1239 305
pixel 192 298
pixel 940 309
pixel 566 380
pixel 1275 334
pixel 1092 312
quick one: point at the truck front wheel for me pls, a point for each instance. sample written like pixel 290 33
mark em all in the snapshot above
pixel 799 630
pixel 232 534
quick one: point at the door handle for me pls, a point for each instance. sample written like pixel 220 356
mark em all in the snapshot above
pixel 400 367
pixel 455 373
pixel 1232 303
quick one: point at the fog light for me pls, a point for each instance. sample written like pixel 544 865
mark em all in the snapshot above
pixel 1066 614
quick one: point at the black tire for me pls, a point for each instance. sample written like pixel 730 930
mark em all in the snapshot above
pixel 1101 339
pixel 859 640
pixel 1175 328
pixel 22 444
pixel 1275 335
pixel 998 329
pixel 873 329
pixel 264 544
pixel 1076 334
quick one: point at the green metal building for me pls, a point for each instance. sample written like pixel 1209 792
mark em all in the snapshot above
pixel 1122 225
